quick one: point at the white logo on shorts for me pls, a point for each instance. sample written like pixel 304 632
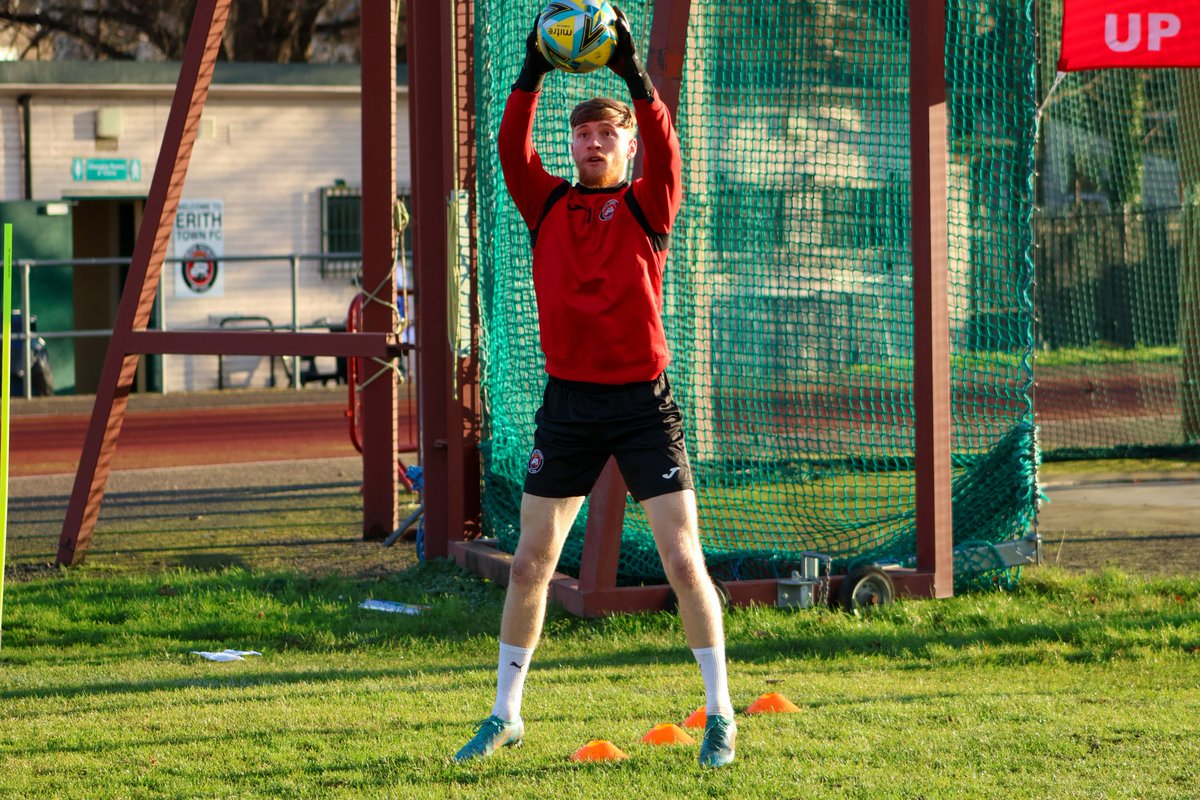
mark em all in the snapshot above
pixel 536 460
pixel 671 474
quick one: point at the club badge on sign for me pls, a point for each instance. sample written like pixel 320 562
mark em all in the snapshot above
pixel 199 238
pixel 200 268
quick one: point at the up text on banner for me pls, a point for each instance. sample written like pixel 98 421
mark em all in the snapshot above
pixel 1103 34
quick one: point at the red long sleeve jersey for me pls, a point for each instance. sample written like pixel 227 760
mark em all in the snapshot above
pixel 598 254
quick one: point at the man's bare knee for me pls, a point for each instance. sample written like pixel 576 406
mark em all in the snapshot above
pixel 685 572
pixel 530 572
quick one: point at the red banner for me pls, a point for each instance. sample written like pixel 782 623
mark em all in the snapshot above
pixel 1101 34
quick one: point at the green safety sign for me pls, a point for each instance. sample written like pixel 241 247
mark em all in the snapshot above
pixel 106 169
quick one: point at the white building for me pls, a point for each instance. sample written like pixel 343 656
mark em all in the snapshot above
pixel 274 172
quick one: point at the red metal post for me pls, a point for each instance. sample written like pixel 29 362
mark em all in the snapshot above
pixel 262 343
pixel 606 508
pixel 602 537
pixel 431 120
pixel 931 325
pixel 668 46
pixel 664 61
pixel 116 378
pixel 381 509
pixel 463 408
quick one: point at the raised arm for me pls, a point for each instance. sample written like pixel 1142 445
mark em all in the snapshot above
pixel 660 189
pixel 526 178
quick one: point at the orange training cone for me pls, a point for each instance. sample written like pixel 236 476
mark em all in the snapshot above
pixel 772 703
pixel 598 750
pixel 667 733
pixel 697 719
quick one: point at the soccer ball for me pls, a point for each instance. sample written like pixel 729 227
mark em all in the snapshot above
pixel 577 35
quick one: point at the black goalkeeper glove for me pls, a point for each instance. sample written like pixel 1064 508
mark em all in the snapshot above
pixel 534 70
pixel 625 62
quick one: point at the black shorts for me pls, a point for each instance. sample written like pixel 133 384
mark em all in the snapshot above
pixel 581 424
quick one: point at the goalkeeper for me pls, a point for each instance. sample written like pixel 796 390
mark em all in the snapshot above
pixel 599 250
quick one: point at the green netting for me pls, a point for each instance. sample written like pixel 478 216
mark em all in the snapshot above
pixel 788 292
pixel 1118 244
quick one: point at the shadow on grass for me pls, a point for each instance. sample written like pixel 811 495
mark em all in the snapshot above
pixel 236 607
pixel 1006 642
pixel 211 562
pixel 147 530
pixel 186 525
pixel 319 680
pixel 255 544
pixel 114 746
pixel 116 502
pixel 78 616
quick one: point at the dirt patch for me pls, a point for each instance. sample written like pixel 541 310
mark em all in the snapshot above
pixel 1143 525
pixel 301 516
pixel 1151 555
pixel 19 573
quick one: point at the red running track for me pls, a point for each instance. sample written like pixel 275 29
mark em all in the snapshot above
pixel 50 444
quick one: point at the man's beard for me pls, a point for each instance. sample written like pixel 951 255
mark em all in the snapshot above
pixel 612 175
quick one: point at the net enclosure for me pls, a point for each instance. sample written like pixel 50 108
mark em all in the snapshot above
pixel 1117 261
pixel 788 294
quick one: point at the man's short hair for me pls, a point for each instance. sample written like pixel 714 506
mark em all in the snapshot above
pixel 606 109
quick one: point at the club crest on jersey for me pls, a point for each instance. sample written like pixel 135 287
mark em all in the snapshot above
pixel 536 460
pixel 610 208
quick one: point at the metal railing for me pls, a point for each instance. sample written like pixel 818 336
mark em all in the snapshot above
pixel 26 266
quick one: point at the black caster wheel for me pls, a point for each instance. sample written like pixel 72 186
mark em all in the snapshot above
pixel 865 587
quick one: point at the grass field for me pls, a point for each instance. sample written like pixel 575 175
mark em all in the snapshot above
pixel 1073 686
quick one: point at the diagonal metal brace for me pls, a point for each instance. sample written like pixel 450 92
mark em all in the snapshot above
pixel 145 270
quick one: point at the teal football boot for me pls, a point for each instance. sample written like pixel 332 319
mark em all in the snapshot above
pixel 720 740
pixel 490 735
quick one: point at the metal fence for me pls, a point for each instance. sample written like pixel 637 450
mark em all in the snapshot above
pixel 27 336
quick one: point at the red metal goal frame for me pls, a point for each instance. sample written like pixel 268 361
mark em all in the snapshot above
pixel 130 338
pixel 595 592
pixel 440 99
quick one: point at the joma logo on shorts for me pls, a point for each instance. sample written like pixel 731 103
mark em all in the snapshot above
pixel 670 473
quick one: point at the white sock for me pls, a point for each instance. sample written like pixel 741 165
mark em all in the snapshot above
pixel 716 682
pixel 510 681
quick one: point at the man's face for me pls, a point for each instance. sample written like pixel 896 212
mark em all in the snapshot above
pixel 602 151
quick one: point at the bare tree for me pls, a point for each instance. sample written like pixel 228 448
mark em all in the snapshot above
pixel 152 30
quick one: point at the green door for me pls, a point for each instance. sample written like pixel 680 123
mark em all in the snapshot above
pixel 42 232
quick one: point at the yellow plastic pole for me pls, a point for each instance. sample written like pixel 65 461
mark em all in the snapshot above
pixel 5 388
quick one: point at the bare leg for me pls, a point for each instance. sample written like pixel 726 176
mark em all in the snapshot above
pixel 545 522
pixel 544 526
pixel 673 521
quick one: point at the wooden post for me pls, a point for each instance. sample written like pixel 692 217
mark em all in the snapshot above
pixel 431 122
pixel 381 510
pixel 606 506
pixel 931 327
pixel 463 410
pixel 602 536
pixel 141 285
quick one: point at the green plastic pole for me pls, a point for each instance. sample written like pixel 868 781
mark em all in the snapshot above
pixel 5 387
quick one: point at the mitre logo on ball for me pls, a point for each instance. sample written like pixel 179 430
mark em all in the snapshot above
pixel 577 35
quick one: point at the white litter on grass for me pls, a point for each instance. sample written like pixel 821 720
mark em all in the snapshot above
pixel 226 655
pixel 395 608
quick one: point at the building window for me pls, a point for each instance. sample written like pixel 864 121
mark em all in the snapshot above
pixel 341 231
